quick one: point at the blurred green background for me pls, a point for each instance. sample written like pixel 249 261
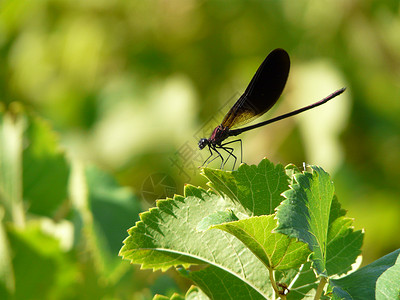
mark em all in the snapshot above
pixel 128 87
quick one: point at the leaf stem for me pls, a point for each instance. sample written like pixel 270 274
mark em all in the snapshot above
pixel 273 282
pixel 320 288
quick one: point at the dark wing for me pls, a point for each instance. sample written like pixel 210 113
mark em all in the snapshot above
pixel 263 91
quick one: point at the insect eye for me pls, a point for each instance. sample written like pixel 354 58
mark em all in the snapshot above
pixel 203 143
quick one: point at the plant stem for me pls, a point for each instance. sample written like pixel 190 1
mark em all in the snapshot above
pixel 320 288
pixel 273 282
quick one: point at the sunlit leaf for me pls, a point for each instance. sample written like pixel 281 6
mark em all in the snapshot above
pixel 257 188
pixel 305 213
pixel 216 218
pixel 312 214
pixel 166 236
pixel 275 250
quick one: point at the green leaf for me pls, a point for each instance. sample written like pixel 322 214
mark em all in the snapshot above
pixel 275 250
pixel 336 210
pixel 218 284
pixel 45 169
pixel 305 213
pixel 312 214
pixel 42 269
pixel 216 218
pixel 388 284
pixel 102 212
pixel 344 246
pixel 7 278
pixel 114 208
pixel 290 171
pixel 257 188
pixel 175 296
pixel 166 236
pixel 194 293
pixel 12 127
pixel 378 280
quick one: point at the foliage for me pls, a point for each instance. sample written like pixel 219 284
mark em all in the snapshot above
pixel 58 240
pixel 260 234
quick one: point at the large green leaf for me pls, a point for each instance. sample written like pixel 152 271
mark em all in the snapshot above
pixel 257 189
pixel 378 280
pixel 216 218
pixel 275 250
pixel 312 214
pixel 305 213
pixel 166 236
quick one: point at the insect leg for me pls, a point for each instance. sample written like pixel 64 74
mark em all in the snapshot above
pixel 230 151
pixel 211 154
pixel 241 148
pixel 219 155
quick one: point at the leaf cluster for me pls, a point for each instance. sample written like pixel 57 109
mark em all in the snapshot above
pixel 61 222
pixel 261 232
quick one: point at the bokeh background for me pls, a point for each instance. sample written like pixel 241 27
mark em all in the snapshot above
pixel 128 88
